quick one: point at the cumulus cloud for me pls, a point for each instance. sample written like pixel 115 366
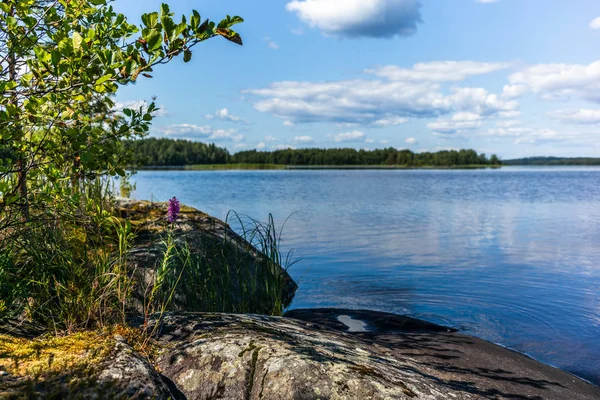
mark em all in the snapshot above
pixel 437 71
pixel 283 147
pixel 348 136
pixel 303 139
pixel 399 94
pixel 561 81
pixel 411 141
pixel 595 23
pixel 360 18
pixel 458 123
pixel 514 91
pixel 581 116
pixel 526 135
pixel 261 146
pixel 206 132
pixel 224 115
pixel 390 121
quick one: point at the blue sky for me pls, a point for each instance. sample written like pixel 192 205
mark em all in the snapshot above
pixel 512 77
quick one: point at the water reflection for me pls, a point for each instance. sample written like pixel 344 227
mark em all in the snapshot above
pixel 509 255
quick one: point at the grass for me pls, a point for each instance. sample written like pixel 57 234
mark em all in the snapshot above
pixel 73 271
pixel 231 275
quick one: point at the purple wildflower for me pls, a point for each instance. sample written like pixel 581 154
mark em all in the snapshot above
pixel 174 209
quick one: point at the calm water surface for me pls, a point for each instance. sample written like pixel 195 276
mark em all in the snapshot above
pixel 511 255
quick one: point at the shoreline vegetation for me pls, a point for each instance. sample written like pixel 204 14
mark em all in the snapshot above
pixel 278 167
pixel 174 154
pixel 153 152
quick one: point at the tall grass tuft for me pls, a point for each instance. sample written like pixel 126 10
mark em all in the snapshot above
pixel 228 276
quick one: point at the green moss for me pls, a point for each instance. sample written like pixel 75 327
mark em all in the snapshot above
pixel 53 354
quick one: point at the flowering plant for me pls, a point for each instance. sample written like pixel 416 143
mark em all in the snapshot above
pixel 173 210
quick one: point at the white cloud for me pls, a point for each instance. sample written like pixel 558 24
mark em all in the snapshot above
pixel 384 141
pixel 283 147
pixel 581 116
pixel 458 123
pixel 382 102
pixel 507 124
pixel 348 136
pixel 561 81
pixel 595 23
pixel 437 71
pixel 369 141
pixel 411 140
pixel 271 43
pixel 205 132
pixel 480 101
pixel 180 130
pixel 224 115
pixel 525 135
pixel 303 139
pixel 360 18
pixel 270 139
pixel 514 91
pixel 261 146
pixel 288 123
pixel 390 121
pixel 229 134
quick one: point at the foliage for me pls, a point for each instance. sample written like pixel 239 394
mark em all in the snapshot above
pixel 554 161
pixel 60 63
pixel 168 152
pixel 347 156
pixel 63 255
pixel 224 277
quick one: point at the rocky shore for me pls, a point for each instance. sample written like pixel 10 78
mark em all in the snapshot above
pixel 306 354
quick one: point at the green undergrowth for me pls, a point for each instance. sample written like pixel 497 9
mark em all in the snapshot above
pixel 72 270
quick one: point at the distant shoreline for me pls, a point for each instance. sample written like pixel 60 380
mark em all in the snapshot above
pixel 251 167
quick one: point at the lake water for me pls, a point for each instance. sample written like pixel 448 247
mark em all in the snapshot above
pixel 510 255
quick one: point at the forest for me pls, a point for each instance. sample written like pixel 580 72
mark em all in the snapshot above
pixel 168 152
pixel 153 152
pixel 554 161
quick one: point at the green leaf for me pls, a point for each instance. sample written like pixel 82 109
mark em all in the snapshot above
pixel 65 47
pixel 77 40
pixel 153 40
pixel 55 57
pixel 103 79
pixel 150 20
pixel 127 112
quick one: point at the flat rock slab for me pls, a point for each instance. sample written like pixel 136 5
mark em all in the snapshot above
pixel 467 366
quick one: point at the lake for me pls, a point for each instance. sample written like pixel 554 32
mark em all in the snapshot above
pixel 509 255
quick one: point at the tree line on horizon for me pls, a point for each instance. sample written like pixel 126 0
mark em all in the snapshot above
pixel 554 161
pixel 154 152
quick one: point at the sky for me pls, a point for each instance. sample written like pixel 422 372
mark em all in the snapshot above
pixel 516 78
